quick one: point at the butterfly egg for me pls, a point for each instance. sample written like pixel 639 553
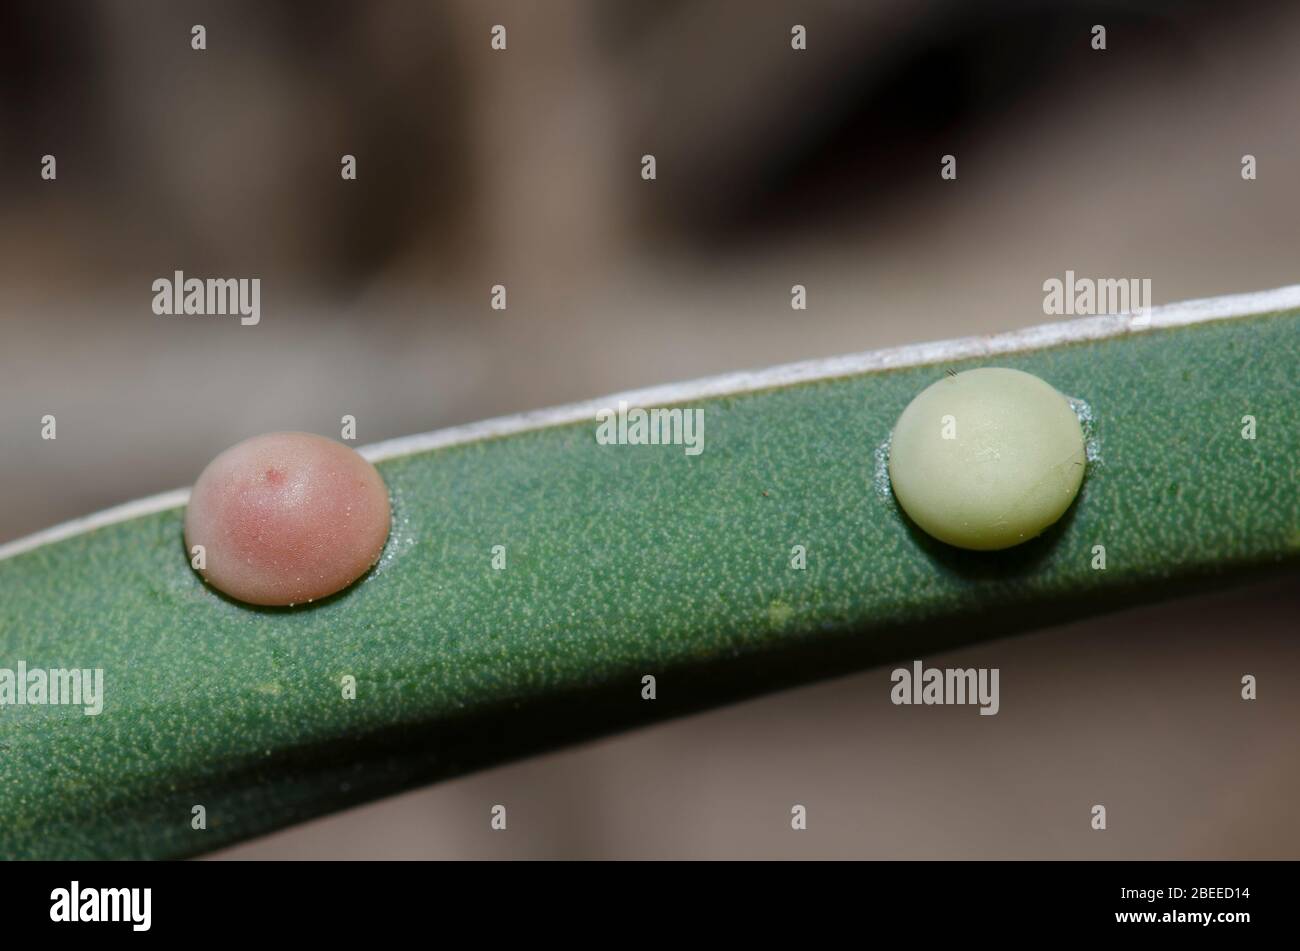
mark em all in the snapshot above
pixel 286 518
pixel 987 459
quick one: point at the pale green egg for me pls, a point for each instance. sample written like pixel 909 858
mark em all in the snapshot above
pixel 987 459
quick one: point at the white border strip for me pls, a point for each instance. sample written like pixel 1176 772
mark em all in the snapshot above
pixel 88 523
pixel 944 351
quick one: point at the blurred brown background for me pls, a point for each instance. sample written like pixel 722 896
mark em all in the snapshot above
pixel 775 167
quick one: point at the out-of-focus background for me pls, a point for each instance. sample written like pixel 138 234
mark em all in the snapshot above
pixel 522 167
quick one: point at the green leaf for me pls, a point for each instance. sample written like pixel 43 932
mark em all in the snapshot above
pixel 621 562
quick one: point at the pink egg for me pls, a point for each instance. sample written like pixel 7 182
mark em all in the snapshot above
pixel 286 518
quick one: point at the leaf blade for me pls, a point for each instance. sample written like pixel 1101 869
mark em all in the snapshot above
pixel 622 561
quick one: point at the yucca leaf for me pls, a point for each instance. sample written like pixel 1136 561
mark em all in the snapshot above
pixel 621 562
